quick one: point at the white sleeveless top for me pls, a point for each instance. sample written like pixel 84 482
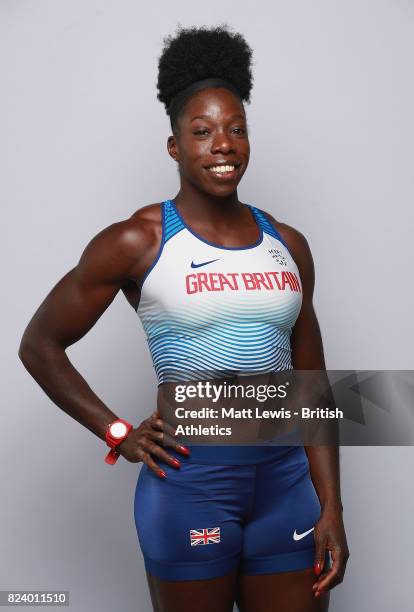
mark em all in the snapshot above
pixel 211 311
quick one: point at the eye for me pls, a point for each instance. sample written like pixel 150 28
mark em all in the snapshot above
pixel 201 131
pixel 241 130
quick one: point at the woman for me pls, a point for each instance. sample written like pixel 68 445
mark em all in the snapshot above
pixel 217 524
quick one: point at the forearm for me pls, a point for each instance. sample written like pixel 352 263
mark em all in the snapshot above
pixel 325 474
pixel 59 379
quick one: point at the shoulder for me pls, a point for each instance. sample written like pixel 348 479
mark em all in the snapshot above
pixel 135 233
pixel 145 224
pixel 119 246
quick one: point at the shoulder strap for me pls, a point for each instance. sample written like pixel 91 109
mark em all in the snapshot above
pixel 171 220
pixel 266 225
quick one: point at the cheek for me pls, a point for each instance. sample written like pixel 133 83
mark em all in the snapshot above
pixel 194 157
pixel 201 148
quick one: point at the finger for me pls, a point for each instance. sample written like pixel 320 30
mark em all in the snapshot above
pixel 149 461
pixel 168 437
pixel 184 450
pixel 334 576
pixel 162 438
pixel 156 436
pixel 339 557
pixel 167 440
pixel 320 547
pixel 155 449
pixel 156 422
pixel 161 425
pixel 330 580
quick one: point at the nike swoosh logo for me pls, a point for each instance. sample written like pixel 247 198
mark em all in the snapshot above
pixel 194 265
pixel 299 536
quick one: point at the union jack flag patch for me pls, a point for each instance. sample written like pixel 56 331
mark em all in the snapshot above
pixel 204 536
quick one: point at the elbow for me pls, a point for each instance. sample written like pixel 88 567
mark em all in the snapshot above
pixel 20 353
pixel 33 350
pixel 26 352
pixel 23 348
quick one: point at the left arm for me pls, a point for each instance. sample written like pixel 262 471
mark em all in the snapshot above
pixel 307 354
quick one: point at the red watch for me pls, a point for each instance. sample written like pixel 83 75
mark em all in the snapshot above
pixel 116 432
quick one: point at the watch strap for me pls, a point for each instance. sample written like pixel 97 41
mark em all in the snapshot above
pixel 112 457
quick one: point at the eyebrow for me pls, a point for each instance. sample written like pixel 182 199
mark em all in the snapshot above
pixel 209 118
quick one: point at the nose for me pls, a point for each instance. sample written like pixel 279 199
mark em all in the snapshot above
pixel 221 142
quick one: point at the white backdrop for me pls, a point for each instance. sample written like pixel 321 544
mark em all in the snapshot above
pixel 84 144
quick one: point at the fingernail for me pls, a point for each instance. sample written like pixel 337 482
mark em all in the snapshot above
pixel 162 474
pixel 183 449
pixel 175 462
pixel 317 568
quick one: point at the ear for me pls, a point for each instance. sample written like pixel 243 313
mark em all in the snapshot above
pixel 173 148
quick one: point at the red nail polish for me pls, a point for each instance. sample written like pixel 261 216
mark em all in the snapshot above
pixel 175 462
pixel 183 449
pixel 162 474
pixel 317 568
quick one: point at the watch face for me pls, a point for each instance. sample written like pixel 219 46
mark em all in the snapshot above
pixel 118 430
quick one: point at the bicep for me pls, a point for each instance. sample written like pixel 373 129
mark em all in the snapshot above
pixel 80 297
pixel 72 308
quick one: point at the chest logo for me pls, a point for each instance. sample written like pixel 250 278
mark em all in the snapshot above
pixel 277 254
pixel 204 263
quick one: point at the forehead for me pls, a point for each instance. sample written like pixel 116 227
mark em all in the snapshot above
pixel 213 103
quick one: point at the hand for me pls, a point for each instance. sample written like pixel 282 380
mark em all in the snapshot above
pixel 330 535
pixel 144 442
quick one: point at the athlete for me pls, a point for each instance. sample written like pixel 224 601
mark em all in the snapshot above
pixel 222 289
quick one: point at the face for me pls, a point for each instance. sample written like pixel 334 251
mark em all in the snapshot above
pixel 212 134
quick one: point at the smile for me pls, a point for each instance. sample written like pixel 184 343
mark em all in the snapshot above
pixel 223 171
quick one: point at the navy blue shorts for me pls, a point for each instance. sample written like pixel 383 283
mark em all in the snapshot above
pixel 206 520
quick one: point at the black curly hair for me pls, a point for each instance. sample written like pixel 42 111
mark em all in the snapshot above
pixel 201 57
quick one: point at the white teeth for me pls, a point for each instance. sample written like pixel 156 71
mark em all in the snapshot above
pixel 221 169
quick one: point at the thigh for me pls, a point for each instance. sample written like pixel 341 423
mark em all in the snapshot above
pixel 189 524
pixel 282 592
pixel 214 595
pixel 278 536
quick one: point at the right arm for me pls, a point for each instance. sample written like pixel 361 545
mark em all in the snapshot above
pixel 112 258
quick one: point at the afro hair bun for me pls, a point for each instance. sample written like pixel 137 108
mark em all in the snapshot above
pixel 199 53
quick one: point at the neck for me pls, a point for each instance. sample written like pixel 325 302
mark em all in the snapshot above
pixel 204 206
